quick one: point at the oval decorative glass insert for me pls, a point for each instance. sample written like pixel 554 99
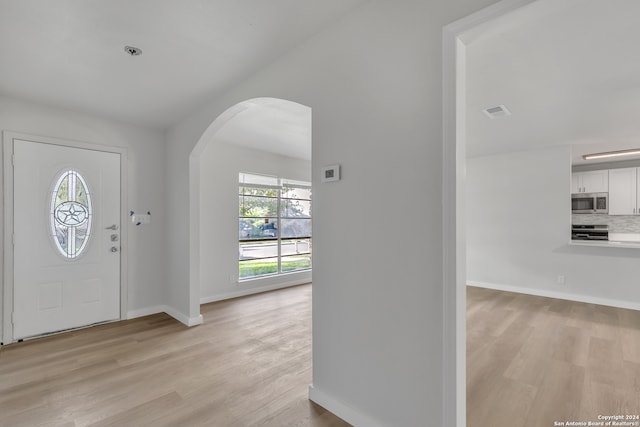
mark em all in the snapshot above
pixel 70 214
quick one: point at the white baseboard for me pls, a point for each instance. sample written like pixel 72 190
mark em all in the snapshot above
pixel 338 408
pixel 558 295
pixel 147 311
pixel 195 321
pixel 180 317
pixel 183 318
pixel 251 291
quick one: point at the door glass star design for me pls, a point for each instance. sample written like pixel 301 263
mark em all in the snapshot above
pixel 71 214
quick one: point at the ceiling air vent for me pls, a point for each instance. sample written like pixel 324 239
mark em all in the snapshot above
pixel 497 111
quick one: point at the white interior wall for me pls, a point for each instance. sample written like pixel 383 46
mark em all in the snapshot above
pixel 145 153
pixel 220 164
pixel 374 83
pixel 518 233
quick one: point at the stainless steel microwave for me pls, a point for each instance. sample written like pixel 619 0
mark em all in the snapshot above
pixel 590 203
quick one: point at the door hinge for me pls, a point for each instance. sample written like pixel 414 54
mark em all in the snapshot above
pixel 13 160
pixel 13 239
pixel 13 317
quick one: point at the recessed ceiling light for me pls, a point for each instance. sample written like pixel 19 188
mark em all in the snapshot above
pixel 611 154
pixel 497 111
pixel 133 51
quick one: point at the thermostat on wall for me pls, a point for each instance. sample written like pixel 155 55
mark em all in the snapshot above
pixel 331 173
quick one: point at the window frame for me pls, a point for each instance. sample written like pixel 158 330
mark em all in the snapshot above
pixel 279 184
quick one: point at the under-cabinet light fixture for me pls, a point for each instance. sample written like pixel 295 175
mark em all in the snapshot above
pixel 611 154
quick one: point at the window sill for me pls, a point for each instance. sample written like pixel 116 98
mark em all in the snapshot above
pixel 287 275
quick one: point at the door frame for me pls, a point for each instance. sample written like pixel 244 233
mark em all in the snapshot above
pixel 6 217
pixel 454 237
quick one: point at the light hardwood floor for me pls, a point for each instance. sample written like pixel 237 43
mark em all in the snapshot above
pixel 249 364
pixel 533 361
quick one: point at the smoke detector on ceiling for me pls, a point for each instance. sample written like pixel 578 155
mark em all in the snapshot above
pixel 497 112
pixel 133 51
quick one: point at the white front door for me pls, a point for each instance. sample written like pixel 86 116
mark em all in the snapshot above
pixel 66 219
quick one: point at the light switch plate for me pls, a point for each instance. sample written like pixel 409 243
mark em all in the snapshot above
pixel 330 173
pixel 139 219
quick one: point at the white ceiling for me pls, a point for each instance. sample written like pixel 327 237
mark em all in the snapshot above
pixel 70 53
pixel 568 70
pixel 268 124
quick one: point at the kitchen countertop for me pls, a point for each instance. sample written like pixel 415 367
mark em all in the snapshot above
pixel 616 240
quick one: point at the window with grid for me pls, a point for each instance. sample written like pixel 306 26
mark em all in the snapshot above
pixel 274 226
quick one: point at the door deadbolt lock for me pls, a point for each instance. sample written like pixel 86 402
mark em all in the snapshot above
pixel 114 237
pixel 114 249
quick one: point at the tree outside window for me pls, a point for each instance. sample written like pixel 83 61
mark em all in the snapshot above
pixel 274 226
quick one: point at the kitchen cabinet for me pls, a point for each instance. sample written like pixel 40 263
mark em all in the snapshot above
pixel 624 191
pixel 590 182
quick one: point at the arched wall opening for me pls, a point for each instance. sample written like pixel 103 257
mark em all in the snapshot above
pixel 268 136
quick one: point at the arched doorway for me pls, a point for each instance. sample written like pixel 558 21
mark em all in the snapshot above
pixel 267 136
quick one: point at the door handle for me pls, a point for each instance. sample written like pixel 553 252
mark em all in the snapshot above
pixel 113 227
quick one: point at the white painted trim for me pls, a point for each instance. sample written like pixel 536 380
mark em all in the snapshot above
pixel 10 135
pixel 183 318
pixel 453 353
pixel 194 231
pixel 7 211
pixel 147 311
pixel 300 277
pixel 124 235
pixel 557 295
pixel 340 409
pixel 487 14
pixel 7 247
pixel 453 200
pixel 195 321
pixel 180 317
pixel 251 291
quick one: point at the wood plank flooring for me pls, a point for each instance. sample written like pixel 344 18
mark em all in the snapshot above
pixel 249 364
pixel 533 361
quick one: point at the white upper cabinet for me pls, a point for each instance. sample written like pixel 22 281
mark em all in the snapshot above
pixel 623 191
pixel 576 182
pixel 590 182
